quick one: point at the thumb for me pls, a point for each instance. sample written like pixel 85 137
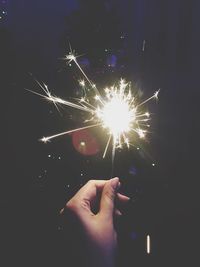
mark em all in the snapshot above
pixel 107 198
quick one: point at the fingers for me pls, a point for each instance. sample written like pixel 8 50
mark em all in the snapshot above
pixel 120 203
pixel 80 204
pixel 107 199
pixel 118 213
pixel 122 198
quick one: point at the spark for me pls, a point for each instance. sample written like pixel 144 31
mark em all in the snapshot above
pixel 82 83
pixel 117 111
pixel 71 57
pixel 47 139
pixel 155 95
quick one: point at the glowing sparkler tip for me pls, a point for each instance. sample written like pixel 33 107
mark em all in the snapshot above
pixel 82 83
pixel 147 114
pixel 44 140
pixel 122 82
pixel 70 57
pixel 156 94
pixel 116 114
pixel 141 133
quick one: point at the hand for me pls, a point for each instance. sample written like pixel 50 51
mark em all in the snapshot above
pixel 98 227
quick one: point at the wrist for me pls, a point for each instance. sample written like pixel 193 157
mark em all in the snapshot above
pixel 101 256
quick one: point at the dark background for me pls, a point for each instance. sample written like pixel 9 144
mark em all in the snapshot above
pixel 152 43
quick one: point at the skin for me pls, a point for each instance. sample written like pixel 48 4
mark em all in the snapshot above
pixel 98 227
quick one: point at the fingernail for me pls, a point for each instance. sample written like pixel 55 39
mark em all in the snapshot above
pixel 115 183
pixel 127 198
pixel 118 213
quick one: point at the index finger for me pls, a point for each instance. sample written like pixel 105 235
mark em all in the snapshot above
pixel 85 196
pixel 90 189
pixel 81 202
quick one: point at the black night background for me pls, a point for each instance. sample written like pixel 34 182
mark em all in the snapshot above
pixel 152 43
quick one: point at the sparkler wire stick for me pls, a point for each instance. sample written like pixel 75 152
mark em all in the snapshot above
pixel 113 158
pixel 107 145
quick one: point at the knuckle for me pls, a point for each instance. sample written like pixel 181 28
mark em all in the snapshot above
pixel 85 204
pixel 91 182
pixel 109 194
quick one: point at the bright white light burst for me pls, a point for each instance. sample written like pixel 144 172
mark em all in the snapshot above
pixel 117 110
pixel 117 113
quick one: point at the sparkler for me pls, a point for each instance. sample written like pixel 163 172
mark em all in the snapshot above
pixel 116 111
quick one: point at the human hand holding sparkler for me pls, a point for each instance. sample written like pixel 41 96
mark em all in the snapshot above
pixel 98 228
